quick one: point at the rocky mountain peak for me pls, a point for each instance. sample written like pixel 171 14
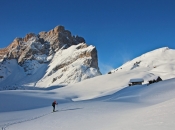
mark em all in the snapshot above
pixel 28 36
pixel 59 29
pixel 62 57
pixel 43 43
pixel 58 37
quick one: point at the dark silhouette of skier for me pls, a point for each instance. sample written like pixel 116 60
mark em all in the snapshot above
pixel 53 104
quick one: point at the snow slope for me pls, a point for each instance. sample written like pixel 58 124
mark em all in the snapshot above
pixel 159 62
pixel 101 103
pixel 111 107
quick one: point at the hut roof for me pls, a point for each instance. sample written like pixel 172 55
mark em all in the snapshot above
pixel 136 80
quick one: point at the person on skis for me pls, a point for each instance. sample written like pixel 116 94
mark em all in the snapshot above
pixel 53 104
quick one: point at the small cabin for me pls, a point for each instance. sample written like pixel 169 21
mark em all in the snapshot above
pixel 136 82
pixel 157 79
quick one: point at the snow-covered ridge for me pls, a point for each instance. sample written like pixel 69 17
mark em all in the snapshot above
pixel 159 62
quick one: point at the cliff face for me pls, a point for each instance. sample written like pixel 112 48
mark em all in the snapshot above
pixel 44 43
pixel 56 46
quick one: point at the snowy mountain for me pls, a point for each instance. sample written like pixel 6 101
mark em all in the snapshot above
pixel 52 58
pixel 159 62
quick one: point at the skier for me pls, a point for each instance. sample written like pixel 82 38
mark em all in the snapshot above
pixel 53 104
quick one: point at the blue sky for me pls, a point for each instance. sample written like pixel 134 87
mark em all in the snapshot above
pixel 120 29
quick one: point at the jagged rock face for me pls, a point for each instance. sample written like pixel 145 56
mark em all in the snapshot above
pixel 43 43
pixel 63 58
pixel 11 47
pixel 58 37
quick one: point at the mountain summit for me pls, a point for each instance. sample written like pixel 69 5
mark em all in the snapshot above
pixel 48 59
pixel 43 43
pixel 159 62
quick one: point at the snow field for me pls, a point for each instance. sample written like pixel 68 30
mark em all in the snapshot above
pixel 131 108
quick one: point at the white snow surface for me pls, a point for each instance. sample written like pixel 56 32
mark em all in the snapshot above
pixel 101 103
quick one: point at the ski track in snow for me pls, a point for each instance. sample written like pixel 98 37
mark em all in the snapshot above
pixel 3 127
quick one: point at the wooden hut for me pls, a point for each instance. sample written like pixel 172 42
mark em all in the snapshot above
pixel 158 79
pixel 138 81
